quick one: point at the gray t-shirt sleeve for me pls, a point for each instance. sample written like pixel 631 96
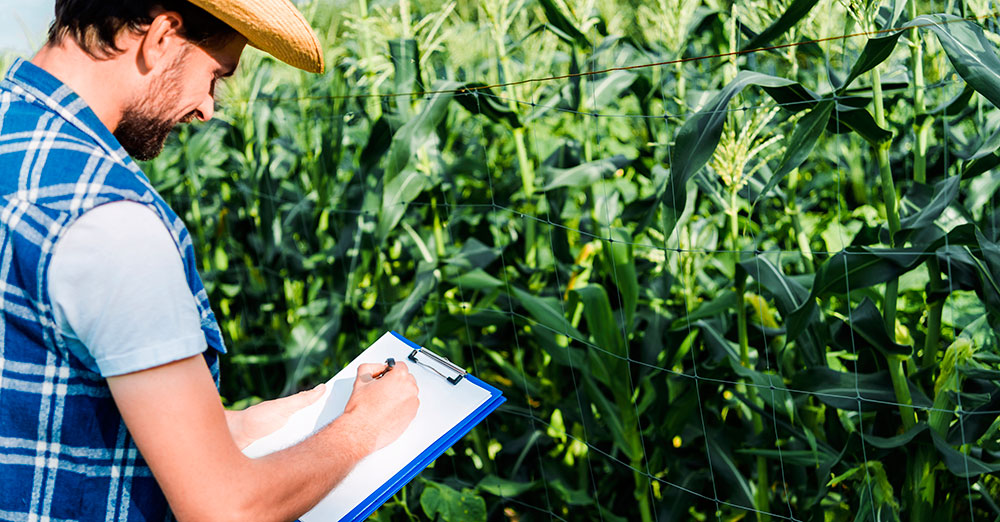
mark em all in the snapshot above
pixel 120 294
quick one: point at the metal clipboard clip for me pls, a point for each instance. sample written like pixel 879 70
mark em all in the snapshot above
pixel 433 361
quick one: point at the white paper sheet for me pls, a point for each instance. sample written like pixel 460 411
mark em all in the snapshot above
pixel 442 406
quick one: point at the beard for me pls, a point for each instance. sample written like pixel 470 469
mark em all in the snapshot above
pixel 142 134
pixel 145 124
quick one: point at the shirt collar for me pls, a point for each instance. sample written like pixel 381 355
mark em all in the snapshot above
pixel 46 89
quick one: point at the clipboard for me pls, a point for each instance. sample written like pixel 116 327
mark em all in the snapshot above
pixel 452 402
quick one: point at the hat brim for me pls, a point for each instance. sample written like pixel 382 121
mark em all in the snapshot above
pixel 273 26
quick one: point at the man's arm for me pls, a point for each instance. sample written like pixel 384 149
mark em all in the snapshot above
pixel 176 418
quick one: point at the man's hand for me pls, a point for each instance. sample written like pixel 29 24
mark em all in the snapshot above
pixel 176 419
pixel 389 402
pixel 261 420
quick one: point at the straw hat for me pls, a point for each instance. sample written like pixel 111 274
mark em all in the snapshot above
pixel 273 26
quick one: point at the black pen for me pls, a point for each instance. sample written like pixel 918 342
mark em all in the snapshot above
pixel 389 364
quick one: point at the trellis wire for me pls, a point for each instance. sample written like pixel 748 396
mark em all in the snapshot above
pixel 495 209
pixel 742 52
pixel 535 324
pixel 847 284
pixel 961 418
pixel 517 340
pixel 576 386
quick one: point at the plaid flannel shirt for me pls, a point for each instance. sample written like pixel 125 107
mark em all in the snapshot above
pixel 65 453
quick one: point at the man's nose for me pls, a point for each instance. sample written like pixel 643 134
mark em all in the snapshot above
pixel 206 110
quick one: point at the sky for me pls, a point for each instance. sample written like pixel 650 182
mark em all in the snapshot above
pixel 24 23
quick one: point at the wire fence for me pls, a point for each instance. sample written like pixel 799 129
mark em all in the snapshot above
pixel 485 89
pixel 499 212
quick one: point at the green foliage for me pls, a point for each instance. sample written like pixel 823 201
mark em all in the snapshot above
pixel 443 503
pixel 683 277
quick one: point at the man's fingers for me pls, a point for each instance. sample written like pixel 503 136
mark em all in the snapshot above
pixel 369 369
pixel 401 368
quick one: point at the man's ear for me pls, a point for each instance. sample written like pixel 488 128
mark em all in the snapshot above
pixel 160 42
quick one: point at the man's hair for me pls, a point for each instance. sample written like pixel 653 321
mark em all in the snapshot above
pixel 96 24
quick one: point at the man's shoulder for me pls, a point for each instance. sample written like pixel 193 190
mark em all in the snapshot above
pixel 40 144
pixel 29 128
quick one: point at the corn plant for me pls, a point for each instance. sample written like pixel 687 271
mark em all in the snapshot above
pixel 764 285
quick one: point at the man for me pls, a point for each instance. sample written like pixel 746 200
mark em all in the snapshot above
pixel 108 345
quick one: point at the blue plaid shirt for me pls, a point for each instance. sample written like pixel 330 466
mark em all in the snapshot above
pixel 65 453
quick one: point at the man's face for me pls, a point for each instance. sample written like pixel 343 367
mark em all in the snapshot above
pixel 183 91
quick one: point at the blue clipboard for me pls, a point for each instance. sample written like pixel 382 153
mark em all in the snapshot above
pixel 405 475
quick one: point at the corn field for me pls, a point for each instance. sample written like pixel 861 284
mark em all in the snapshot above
pixel 727 260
